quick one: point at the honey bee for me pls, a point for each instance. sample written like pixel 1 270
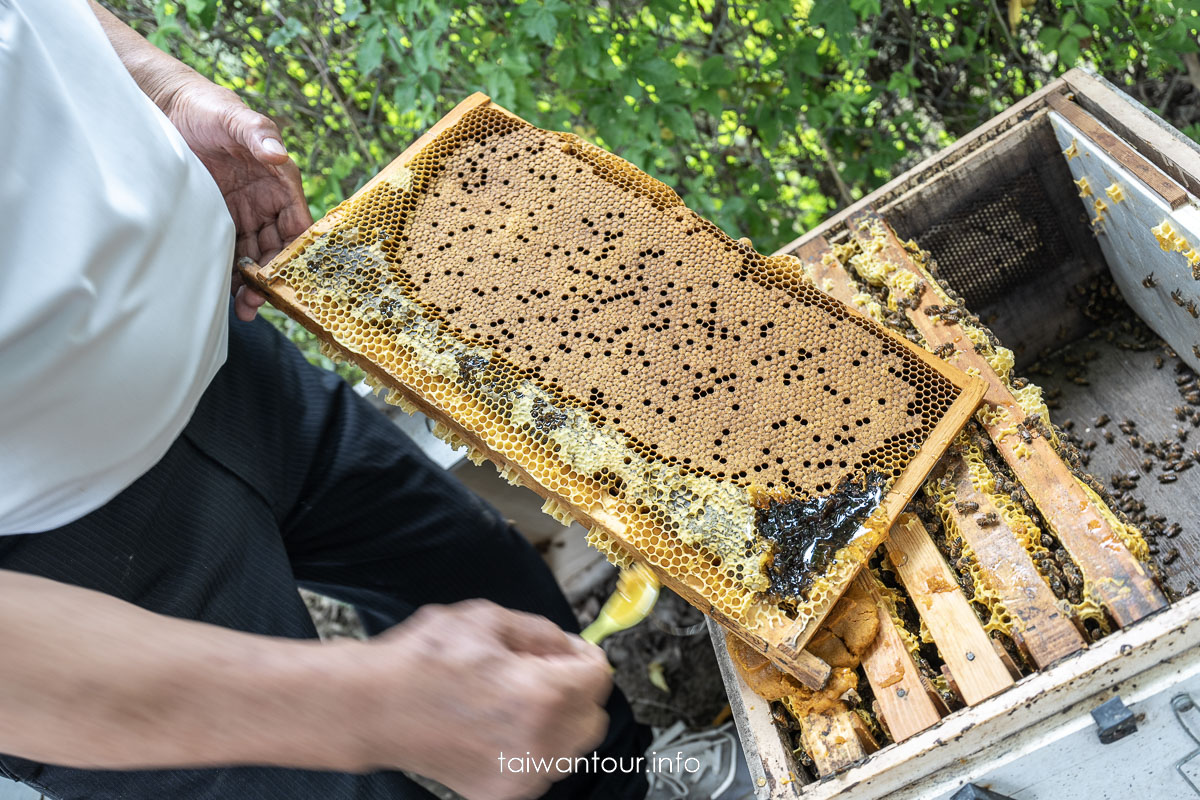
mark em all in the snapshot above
pixel 988 520
pixel 966 506
pixel 1150 281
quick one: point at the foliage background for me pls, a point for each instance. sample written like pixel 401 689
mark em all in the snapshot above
pixel 765 116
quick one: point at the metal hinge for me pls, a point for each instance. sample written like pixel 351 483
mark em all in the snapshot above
pixel 1115 720
pixel 974 792
pixel 1188 716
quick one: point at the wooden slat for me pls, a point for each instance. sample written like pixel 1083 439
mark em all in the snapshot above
pixel 1148 133
pixel 1040 627
pixel 904 702
pixel 768 748
pixel 1120 581
pixel 825 271
pixel 831 740
pixel 1009 570
pixel 963 644
pixel 1171 192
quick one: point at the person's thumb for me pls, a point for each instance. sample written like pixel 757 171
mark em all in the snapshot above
pixel 260 136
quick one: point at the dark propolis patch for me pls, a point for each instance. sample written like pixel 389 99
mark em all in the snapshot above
pixel 469 364
pixel 545 418
pixel 807 533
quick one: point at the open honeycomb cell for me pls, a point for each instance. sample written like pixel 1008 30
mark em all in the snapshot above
pixel 567 316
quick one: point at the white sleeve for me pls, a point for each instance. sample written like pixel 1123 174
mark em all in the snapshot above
pixel 115 257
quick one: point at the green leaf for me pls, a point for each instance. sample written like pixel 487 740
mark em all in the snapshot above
pixel 370 51
pixel 202 13
pixel 541 19
pixel 713 72
pixel 1068 51
pixel 354 9
pixel 804 59
pixel 835 16
pixel 424 41
pixel 1096 15
pixel 405 96
pixel 1049 37
pixel 662 74
pixel 679 121
pixel 709 102
pixel 280 37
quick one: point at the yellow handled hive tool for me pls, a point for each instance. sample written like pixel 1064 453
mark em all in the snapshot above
pixel 637 591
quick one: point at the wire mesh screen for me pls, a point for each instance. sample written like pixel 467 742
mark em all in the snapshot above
pixel 1001 238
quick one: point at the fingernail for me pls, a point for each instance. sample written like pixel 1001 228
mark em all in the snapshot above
pixel 274 147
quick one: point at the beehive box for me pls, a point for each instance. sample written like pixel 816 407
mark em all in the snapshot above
pixel 1063 224
pixel 698 406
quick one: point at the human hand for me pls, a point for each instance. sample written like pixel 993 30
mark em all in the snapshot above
pixel 448 691
pixel 243 151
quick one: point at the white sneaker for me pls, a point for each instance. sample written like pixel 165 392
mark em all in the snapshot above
pixel 697 765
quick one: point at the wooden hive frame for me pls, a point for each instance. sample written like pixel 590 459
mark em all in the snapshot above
pixel 771 633
pixel 931 748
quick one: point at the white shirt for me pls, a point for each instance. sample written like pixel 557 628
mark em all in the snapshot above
pixel 115 256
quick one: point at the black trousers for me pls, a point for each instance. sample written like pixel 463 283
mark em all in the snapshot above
pixel 285 477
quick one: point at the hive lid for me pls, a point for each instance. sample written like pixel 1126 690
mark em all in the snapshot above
pixel 700 407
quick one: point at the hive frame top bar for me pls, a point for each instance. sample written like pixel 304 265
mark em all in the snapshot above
pixel 763 626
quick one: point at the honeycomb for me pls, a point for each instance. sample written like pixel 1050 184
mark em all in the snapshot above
pixel 565 315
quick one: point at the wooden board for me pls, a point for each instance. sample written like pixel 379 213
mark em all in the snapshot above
pixel 914 180
pixel 1138 127
pixel 831 740
pixel 773 768
pixel 905 703
pixel 1043 630
pixel 1126 589
pixel 1028 148
pixel 1143 236
pixel 931 762
pixel 977 670
pixel 1167 190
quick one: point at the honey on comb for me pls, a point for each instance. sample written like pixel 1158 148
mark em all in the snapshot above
pixel 574 320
